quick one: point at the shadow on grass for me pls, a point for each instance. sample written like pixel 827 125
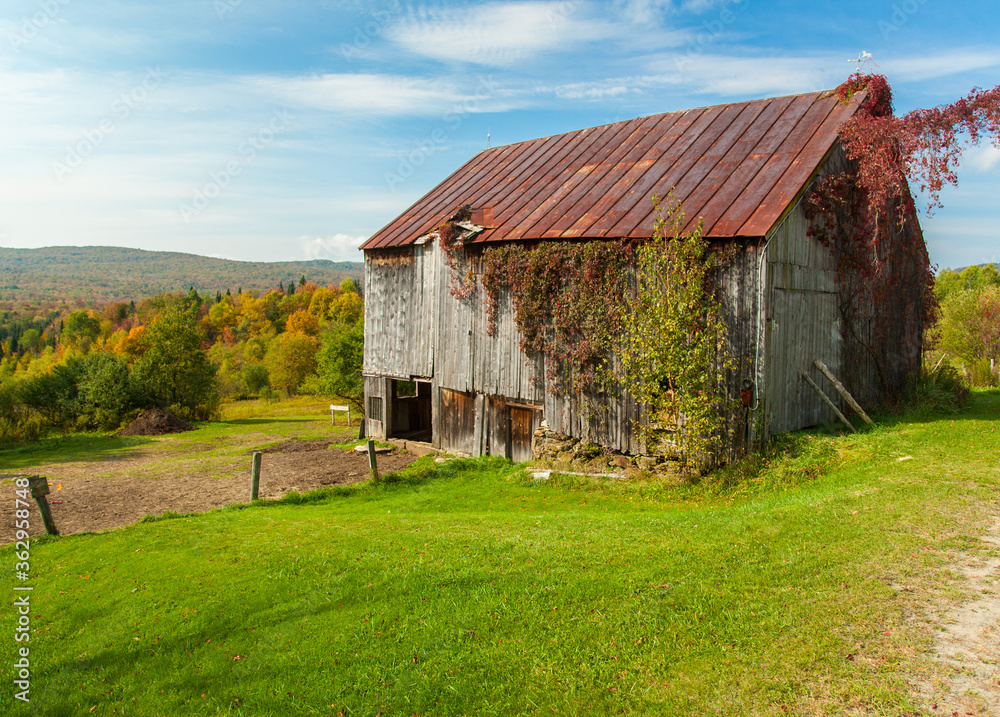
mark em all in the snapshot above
pixel 65 449
pixel 86 677
pixel 270 419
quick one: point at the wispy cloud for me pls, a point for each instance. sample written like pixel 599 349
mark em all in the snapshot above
pixel 499 34
pixel 643 11
pixel 743 76
pixel 933 66
pixel 983 159
pixel 367 94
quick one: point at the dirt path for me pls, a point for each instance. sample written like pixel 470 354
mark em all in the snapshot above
pixel 968 642
pixel 122 492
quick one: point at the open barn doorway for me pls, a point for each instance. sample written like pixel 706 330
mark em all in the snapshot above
pixel 411 410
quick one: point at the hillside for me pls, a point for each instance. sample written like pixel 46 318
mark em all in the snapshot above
pixel 102 274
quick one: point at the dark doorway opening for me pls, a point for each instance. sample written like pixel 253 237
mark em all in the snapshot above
pixel 411 410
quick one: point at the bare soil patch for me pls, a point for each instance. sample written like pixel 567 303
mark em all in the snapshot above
pixel 120 489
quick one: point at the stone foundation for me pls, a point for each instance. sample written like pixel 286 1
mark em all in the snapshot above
pixel 549 447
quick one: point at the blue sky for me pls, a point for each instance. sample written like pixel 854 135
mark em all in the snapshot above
pixel 280 130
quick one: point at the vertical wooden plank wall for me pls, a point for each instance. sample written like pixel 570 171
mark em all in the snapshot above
pixel 416 327
pixel 741 298
pixel 399 312
pixel 803 320
pixel 375 388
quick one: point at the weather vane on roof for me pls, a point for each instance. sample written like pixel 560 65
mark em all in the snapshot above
pixel 863 57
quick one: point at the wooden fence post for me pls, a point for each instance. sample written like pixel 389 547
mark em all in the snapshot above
pixel 255 475
pixel 39 489
pixel 372 462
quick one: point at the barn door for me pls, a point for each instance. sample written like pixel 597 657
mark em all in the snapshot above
pixel 522 427
pixel 458 420
pixel 806 328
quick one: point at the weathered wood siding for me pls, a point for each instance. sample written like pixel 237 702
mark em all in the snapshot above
pixel 468 358
pixel 803 324
pixel 399 312
pixel 376 401
pixel 740 283
pixel 456 421
pixel 606 419
pixel 476 374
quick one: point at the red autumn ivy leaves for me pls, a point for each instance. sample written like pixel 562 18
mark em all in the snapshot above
pixel 923 146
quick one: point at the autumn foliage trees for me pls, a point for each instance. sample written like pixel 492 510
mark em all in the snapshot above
pixel 177 351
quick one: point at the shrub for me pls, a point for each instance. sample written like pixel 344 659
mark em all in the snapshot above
pixel 939 390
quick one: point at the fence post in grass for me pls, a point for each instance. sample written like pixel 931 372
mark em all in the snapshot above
pixel 255 475
pixel 39 489
pixel 372 462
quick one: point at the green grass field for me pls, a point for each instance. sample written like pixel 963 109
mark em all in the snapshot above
pixel 799 585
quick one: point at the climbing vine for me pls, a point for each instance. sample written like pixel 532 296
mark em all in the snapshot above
pixel 866 214
pixel 451 239
pixel 608 315
pixel 568 301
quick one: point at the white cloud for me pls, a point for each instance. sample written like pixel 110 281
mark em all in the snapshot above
pixel 592 90
pixel 499 34
pixel 983 158
pixel 690 69
pixel 370 94
pixel 337 247
pixel 929 67
pixel 732 76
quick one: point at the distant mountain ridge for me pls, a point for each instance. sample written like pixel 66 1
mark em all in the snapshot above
pixel 103 274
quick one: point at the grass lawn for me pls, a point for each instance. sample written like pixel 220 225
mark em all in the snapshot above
pixel 799 587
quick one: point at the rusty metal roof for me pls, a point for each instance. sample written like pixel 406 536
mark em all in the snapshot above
pixel 738 167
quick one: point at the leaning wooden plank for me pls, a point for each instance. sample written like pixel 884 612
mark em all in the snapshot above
pixel 827 401
pixel 844 392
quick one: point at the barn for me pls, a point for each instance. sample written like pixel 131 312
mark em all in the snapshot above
pixel 433 371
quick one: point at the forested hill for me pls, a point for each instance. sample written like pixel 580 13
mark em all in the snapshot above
pixel 102 274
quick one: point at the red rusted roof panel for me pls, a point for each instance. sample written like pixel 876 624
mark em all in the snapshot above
pixel 802 167
pixel 737 166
